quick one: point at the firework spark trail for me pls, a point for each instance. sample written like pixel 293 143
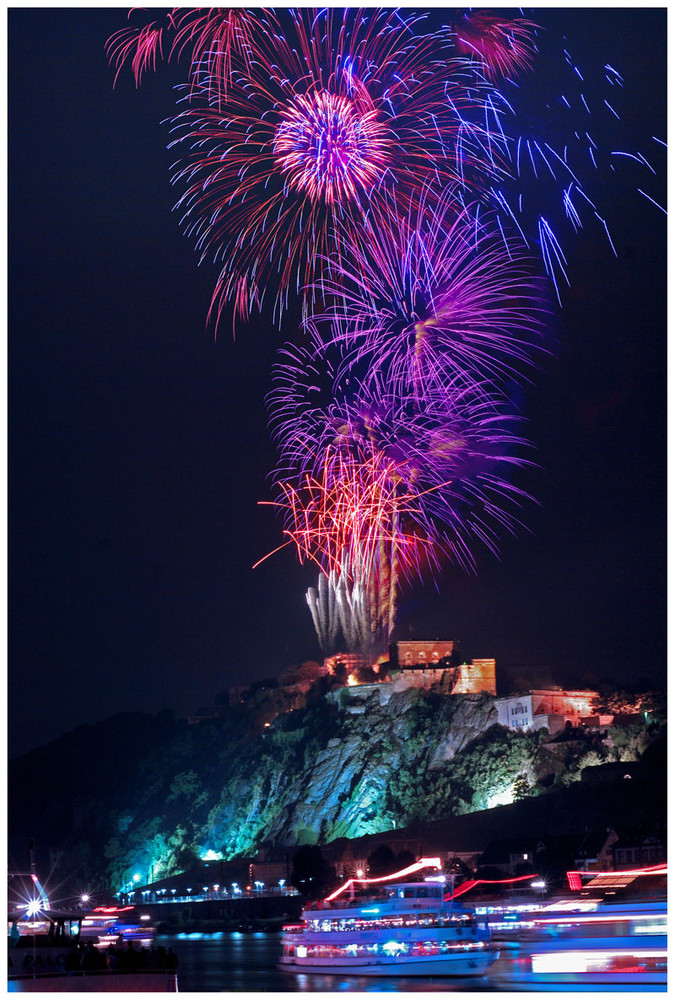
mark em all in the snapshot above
pixel 552 143
pixel 215 38
pixel 141 47
pixel 340 604
pixel 326 118
pixel 501 47
pixel 322 604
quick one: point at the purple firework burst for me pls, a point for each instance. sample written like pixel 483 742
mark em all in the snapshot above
pixel 457 453
pixel 431 290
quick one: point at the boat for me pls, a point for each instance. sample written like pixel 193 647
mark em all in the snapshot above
pixel 106 924
pixel 411 928
pixel 610 944
pixel 49 953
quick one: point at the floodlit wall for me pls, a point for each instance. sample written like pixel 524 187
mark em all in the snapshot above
pixel 477 676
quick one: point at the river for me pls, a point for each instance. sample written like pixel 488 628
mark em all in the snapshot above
pixel 246 963
pixel 235 962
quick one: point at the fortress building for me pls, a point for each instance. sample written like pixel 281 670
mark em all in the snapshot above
pixel 419 655
pixel 547 707
pixel 477 676
pixel 438 660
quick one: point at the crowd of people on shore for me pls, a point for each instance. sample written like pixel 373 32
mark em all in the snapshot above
pixel 122 956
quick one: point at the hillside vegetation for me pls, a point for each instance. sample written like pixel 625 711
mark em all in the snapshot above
pixel 137 794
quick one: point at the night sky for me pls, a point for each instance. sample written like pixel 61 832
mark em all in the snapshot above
pixel 138 443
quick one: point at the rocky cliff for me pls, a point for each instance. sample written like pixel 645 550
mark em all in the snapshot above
pixel 307 769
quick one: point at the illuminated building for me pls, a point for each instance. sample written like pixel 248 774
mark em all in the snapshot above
pixel 477 676
pixel 546 707
pixel 419 655
pixel 438 658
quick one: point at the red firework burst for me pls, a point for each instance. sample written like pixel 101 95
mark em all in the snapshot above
pixel 502 46
pixel 352 514
pixel 351 519
pixel 328 115
pixel 141 46
pixel 211 36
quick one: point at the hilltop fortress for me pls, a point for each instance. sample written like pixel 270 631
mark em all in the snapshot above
pixel 419 665
pixel 436 664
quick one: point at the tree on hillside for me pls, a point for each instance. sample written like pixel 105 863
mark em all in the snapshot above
pixel 312 875
pixel 404 859
pixel 381 861
pixel 521 788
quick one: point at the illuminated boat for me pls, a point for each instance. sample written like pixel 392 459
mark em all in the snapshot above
pixel 39 960
pixel 107 924
pixel 402 929
pixel 612 944
pixel 46 948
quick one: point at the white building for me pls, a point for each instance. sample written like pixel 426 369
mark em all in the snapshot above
pixel 546 707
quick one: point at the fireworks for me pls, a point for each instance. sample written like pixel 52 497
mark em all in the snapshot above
pixel 348 520
pixel 329 116
pixel 340 605
pixel 453 451
pixel 436 291
pixel 501 47
pixel 214 37
pixel 142 47
pixel 401 185
pixel 559 145
pixel 332 147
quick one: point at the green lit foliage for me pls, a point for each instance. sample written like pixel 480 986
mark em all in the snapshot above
pixel 266 778
pixel 326 767
pixel 488 765
pixel 629 742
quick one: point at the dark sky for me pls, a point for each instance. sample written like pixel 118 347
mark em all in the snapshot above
pixel 138 446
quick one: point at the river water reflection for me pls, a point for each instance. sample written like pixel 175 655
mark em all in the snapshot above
pixel 246 963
